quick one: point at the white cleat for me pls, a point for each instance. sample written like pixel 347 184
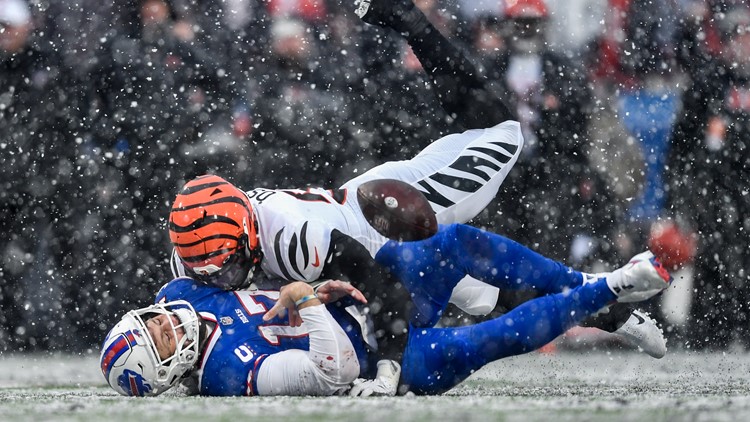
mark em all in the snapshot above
pixel 641 331
pixel 362 7
pixel 640 279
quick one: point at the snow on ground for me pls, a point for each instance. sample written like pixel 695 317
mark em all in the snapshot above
pixel 566 386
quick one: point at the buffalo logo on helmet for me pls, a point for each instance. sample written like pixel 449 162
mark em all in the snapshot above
pixel 133 383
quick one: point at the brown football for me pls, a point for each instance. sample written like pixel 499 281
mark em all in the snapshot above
pixel 397 210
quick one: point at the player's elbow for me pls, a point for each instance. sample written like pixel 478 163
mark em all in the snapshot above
pixel 349 369
pixel 346 370
pixel 341 369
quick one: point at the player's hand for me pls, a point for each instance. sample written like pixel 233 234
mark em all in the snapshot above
pixel 288 295
pixel 384 384
pixel 334 290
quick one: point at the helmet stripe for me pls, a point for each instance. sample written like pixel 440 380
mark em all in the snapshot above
pixel 303 241
pixel 203 222
pixel 124 343
pixel 226 199
pixel 197 188
pixel 205 239
pixel 279 257
pixel 203 257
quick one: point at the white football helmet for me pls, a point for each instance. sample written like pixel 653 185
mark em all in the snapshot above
pixel 129 359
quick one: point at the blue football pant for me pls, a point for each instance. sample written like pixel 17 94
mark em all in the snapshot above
pixel 431 268
pixel 437 359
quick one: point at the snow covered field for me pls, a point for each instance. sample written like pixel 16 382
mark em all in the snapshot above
pixel 565 386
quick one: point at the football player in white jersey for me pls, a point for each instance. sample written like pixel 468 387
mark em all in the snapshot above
pixel 226 237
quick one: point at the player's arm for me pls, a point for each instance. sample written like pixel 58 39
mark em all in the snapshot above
pixel 462 91
pixel 390 302
pixel 329 366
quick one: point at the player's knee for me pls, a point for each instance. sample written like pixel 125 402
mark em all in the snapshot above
pixel 464 232
pixel 456 237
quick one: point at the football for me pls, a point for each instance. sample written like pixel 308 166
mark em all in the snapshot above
pixel 397 210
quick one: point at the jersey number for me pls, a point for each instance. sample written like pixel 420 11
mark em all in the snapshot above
pixel 338 195
pixel 271 333
pixel 244 353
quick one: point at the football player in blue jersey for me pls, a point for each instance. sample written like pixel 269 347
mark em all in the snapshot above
pixel 226 237
pixel 243 343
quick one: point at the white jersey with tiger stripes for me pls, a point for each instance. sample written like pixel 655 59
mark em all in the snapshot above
pixel 459 174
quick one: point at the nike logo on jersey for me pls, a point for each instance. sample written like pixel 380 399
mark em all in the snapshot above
pixel 317 259
pixel 640 318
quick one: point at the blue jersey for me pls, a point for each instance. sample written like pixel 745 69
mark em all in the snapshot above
pixel 233 353
pixel 435 359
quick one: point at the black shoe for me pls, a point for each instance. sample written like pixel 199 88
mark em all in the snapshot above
pixel 399 15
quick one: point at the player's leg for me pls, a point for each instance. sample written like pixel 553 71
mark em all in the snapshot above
pixel 436 359
pixel 462 91
pixel 630 325
pixel 505 263
pixel 460 173
pixel 482 255
pixel 431 268
pixel 462 250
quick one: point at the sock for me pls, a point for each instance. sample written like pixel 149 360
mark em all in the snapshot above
pixel 589 278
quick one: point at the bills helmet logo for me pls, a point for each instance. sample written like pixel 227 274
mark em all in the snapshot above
pixel 133 383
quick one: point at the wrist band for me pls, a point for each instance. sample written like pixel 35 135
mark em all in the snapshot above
pixel 305 299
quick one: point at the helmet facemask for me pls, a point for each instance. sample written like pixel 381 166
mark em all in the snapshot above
pixel 236 270
pixel 171 369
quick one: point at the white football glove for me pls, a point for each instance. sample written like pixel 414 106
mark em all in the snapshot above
pixel 384 384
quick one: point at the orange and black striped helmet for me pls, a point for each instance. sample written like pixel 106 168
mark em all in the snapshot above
pixel 212 228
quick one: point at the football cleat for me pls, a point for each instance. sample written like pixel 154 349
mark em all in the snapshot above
pixel 400 15
pixel 641 278
pixel 362 7
pixel 641 331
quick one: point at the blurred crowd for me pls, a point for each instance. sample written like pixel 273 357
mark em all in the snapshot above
pixel 635 115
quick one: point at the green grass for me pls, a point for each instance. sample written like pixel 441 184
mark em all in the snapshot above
pixel 563 387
